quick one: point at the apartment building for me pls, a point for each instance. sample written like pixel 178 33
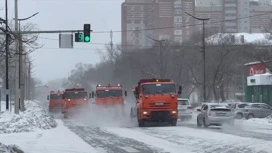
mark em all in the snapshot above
pixel 166 19
pixel 137 15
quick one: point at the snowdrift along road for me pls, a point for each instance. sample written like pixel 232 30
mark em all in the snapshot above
pixel 10 149
pixel 34 117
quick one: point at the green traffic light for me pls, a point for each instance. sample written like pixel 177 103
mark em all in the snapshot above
pixel 87 38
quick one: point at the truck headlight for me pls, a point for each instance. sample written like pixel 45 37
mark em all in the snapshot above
pixel 145 112
pixel 69 99
pixel 85 98
pixel 174 112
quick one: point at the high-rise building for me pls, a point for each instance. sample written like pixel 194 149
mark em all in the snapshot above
pixel 166 19
pixel 136 15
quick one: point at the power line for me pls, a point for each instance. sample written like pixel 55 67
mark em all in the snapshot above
pixel 188 25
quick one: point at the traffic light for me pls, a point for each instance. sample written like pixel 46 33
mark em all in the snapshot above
pixel 87 32
pixel 78 37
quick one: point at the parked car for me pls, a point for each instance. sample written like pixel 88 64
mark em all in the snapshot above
pixel 215 114
pixel 238 108
pixel 257 110
pixel 185 109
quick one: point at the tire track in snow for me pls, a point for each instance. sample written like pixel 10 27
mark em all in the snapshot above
pixel 233 131
pixel 201 145
pixel 111 143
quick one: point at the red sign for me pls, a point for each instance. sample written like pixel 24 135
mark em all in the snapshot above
pixel 256 69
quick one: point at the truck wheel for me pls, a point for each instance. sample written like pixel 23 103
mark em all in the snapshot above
pixel 141 123
pixel 131 113
pixel 65 115
pixel 174 122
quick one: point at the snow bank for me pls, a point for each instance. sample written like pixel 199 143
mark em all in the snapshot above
pixel 263 121
pixel 10 149
pixel 33 118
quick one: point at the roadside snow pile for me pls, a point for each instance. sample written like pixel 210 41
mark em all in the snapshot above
pixel 10 149
pixel 262 121
pixel 33 118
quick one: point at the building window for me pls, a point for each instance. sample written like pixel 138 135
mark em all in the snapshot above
pixel 177 25
pixel 177 19
pixel 178 11
pixel 178 32
pixel 177 5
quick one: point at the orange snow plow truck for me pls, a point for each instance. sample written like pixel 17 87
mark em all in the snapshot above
pixel 156 100
pixel 109 95
pixel 76 98
pixel 55 101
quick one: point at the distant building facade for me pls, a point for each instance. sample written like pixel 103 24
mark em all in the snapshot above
pixel 166 19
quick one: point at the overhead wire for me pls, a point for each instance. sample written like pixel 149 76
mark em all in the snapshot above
pixel 188 25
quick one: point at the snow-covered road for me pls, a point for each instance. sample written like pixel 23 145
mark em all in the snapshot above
pixel 183 138
pixel 104 133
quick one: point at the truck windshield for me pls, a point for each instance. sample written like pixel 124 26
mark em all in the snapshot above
pixel 158 89
pixel 108 93
pixel 56 96
pixel 75 95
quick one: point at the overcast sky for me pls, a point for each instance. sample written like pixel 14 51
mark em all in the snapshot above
pixel 50 61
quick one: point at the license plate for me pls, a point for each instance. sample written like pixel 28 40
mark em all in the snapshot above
pixel 158 104
pixel 220 114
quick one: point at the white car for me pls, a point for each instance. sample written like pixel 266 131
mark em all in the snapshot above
pixel 185 110
pixel 215 114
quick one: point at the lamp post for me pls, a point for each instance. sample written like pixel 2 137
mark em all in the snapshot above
pixel 19 76
pixel 204 52
pixel 7 57
pixel 161 56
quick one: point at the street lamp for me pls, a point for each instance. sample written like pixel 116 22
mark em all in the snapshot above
pixel 204 56
pixel 161 56
pixel 19 47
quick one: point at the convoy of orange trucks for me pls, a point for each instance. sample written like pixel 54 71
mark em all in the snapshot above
pixel 156 100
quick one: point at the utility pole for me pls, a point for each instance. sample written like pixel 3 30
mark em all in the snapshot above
pixel 17 65
pixel 161 56
pixel 29 81
pixel 111 44
pixel 204 52
pixel 21 71
pixel 7 57
pixel 20 65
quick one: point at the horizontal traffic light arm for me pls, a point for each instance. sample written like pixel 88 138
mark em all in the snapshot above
pixel 37 32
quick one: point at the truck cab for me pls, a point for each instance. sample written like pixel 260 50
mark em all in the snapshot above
pixel 55 101
pixel 74 98
pixel 109 95
pixel 156 100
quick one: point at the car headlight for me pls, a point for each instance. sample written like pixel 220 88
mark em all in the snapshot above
pixel 174 112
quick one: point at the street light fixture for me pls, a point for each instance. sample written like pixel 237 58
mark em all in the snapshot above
pixel 20 62
pixel 204 56
pixel 161 56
